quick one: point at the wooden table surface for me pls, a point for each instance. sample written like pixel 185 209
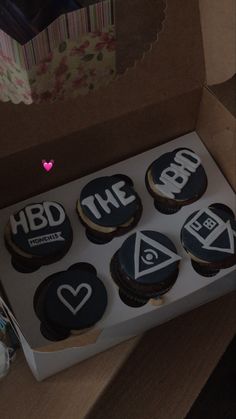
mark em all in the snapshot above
pixel 155 377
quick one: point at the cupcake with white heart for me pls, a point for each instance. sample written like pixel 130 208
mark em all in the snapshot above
pixel 70 302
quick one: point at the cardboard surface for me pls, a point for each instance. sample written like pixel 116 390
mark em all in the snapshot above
pixel 226 93
pixel 217 127
pixel 218 21
pixel 75 341
pixel 96 147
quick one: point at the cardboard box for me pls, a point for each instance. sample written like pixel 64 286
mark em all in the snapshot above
pixel 167 92
pixel 119 322
pixel 168 95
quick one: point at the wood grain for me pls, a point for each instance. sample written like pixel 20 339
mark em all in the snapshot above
pixel 138 24
pixel 67 395
pixel 171 364
pixel 159 380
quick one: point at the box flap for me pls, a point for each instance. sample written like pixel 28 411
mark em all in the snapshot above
pixel 226 93
pixel 218 27
pixel 216 127
pixel 95 147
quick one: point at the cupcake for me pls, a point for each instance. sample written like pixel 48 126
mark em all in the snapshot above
pixel 109 207
pixel 145 267
pixel 176 179
pixel 70 302
pixel 37 235
pixel 209 238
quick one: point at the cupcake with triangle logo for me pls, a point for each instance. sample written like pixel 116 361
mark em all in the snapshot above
pixel 145 267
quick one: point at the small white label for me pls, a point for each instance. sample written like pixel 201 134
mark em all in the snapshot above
pixel 45 239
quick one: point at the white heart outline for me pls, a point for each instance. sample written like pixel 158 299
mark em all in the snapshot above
pixel 75 292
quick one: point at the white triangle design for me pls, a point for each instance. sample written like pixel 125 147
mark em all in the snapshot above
pixel 222 226
pixel 218 232
pixel 173 257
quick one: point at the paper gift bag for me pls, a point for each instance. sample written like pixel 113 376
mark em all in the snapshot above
pixel 78 52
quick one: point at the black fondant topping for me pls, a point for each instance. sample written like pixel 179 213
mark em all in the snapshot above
pixel 210 235
pixel 41 230
pixel 148 257
pixel 109 201
pixel 179 175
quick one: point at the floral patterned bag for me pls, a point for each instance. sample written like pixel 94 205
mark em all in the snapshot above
pixel 74 55
pixel 80 51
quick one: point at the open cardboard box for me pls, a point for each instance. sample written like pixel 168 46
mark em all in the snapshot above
pixel 164 96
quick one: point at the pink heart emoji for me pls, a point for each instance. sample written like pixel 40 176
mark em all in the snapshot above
pixel 48 165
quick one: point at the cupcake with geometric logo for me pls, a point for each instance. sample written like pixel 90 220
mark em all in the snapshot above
pixel 109 207
pixel 209 238
pixel 70 302
pixel 37 235
pixel 176 179
pixel 145 267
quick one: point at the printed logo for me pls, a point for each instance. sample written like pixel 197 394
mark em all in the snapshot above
pixel 114 198
pixel 176 176
pixel 38 216
pixel 75 293
pixel 47 238
pixel 151 256
pixel 212 232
